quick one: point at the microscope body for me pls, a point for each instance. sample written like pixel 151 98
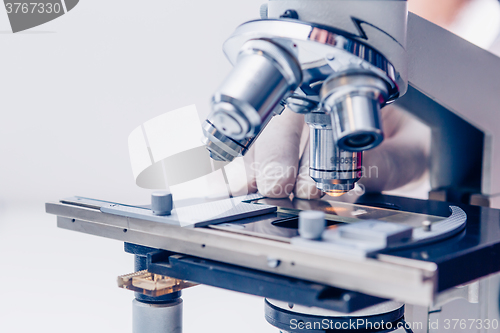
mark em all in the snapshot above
pixel 342 60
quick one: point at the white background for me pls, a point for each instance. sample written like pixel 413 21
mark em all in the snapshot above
pixel 71 92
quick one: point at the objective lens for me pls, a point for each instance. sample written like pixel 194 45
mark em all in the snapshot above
pixel 353 100
pixel 222 147
pixel 335 171
pixel 264 74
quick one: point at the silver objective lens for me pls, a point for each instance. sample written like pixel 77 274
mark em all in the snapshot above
pixel 335 171
pixel 353 99
pixel 264 74
pixel 222 147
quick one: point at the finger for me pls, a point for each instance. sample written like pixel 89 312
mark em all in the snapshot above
pixel 277 155
pixel 305 186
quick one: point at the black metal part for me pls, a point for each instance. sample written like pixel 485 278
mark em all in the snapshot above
pixel 140 263
pixel 257 283
pixel 291 14
pixel 460 259
pixel 291 321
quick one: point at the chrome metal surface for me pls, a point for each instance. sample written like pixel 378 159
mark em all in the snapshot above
pixel 354 100
pixel 263 74
pixel 366 25
pixel 157 318
pixel 223 148
pixel 318 48
pixel 335 171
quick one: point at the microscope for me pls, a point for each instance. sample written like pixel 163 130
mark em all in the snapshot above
pixel 336 62
pixel 377 264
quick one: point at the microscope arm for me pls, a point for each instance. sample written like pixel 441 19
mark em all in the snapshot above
pixel 454 88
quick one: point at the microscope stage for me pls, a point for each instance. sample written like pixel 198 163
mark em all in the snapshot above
pixel 265 243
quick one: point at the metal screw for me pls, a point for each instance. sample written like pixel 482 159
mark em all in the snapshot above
pixel 290 13
pixel 427 225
